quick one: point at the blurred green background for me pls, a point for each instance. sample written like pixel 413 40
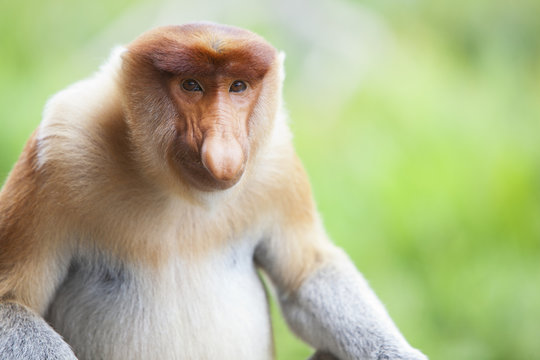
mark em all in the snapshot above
pixel 418 122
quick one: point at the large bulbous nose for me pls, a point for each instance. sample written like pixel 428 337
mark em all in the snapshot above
pixel 223 157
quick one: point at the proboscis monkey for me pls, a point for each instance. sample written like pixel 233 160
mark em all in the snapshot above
pixel 135 220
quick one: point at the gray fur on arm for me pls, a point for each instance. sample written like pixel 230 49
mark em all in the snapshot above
pixel 335 311
pixel 26 336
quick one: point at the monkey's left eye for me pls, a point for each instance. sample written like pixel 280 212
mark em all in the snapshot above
pixel 191 85
pixel 238 86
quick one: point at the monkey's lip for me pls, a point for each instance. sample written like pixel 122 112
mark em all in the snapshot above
pixel 201 178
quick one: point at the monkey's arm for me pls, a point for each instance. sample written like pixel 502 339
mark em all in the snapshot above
pixel 24 335
pixel 325 300
pixel 335 310
pixel 32 263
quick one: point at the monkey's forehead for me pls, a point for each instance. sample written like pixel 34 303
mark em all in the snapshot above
pixel 204 48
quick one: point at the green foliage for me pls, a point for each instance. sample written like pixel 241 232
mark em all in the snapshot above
pixel 428 174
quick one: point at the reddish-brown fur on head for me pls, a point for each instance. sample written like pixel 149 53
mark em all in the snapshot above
pixel 204 136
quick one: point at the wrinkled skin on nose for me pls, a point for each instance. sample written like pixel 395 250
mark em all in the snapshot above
pixel 193 94
pixel 223 147
pixel 212 147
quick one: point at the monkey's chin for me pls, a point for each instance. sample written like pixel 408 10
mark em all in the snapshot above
pixel 201 179
pixel 217 185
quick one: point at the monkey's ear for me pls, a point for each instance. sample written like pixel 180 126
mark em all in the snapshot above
pixel 281 62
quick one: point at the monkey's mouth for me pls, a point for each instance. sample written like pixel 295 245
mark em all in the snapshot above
pixel 193 171
pixel 200 177
pixel 217 164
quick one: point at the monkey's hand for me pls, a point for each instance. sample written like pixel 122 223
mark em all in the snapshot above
pixel 413 355
pixel 321 355
pixel 26 336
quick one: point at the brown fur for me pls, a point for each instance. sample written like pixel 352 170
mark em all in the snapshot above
pixel 138 211
pixel 300 245
pixel 107 182
pixel 28 244
pixel 215 57
pixel 204 50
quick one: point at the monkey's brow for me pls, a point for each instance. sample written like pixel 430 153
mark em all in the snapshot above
pixel 206 62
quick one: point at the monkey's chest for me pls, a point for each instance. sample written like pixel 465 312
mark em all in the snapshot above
pixel 214 308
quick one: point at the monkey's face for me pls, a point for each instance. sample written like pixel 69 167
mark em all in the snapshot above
pixel 195 89
pixel 212 127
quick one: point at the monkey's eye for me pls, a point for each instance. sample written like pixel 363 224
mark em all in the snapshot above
pixel 238 86
pixel 191 85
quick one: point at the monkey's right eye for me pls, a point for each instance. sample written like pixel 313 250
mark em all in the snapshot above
pixel 191 85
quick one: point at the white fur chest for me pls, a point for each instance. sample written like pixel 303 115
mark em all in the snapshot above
pixel 206 308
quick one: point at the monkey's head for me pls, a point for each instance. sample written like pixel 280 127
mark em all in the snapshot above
pixel 199 100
